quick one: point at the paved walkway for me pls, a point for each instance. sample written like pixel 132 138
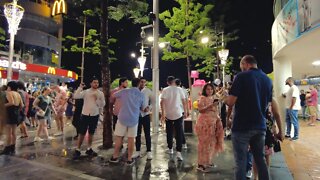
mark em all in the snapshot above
pixel 303 156
pixel 54 161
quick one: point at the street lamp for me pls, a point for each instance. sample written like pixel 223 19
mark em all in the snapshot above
pixel 13 14
pixel 223 54
pixel 133 55
pixel 142 62
pixel 136 72
pixel 150 38
pixel 204 40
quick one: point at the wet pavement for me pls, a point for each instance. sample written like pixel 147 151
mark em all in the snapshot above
pixel 53 160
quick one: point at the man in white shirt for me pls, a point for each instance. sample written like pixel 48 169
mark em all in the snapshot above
pixel 292 108
pixel 171 100
pixel 144 120
pixel 93 101
pixel 185 92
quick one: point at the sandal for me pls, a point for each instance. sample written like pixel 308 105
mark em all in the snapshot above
pixel 202 168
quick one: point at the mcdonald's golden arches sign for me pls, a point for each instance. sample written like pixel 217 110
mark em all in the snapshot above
pixel 51 70
pixel 59 7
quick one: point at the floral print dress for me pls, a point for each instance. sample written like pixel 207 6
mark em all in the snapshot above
pixel 209 130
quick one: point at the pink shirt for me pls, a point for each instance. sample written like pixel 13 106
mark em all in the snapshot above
pixel 313 100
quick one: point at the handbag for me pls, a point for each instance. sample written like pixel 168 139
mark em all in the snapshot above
pixel 41 113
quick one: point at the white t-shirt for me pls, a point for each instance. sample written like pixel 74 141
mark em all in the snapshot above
pixel 93 100
pixel 185 96
pixel 293 92
pixel 173 99
pixel 148 99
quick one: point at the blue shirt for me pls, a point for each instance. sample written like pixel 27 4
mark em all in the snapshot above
pixel 253 90
pixel 132 100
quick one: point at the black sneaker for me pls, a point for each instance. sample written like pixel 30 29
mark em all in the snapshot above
pixel 114 160
pixel 90 152
pixel 130 163
pixel 76 154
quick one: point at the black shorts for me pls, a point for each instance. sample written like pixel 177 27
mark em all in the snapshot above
pixel 88 123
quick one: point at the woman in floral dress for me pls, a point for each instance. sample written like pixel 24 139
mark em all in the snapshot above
pixel 208 128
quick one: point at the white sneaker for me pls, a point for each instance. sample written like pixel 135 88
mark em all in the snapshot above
pixel 170 151
pixel 58 134
pixel 249 174
pixel 50 138
pixel 137 154
pixel 179 156
pixel 37 139
pixel 149 156
pixel 184 146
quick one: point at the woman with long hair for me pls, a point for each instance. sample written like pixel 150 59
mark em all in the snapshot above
pixel 42 104
pixel 209 129
pixel 13 104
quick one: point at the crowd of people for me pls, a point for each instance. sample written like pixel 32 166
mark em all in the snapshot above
pixel 25 110
pixel 246 107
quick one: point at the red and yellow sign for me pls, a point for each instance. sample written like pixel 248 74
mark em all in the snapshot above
pixel 59 7
pixel 51 70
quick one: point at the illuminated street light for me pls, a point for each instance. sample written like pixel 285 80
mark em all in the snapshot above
pixel 14 14
pixel 204 40
pixel 133 55
pixel 136 72
pixel 223 54
pixel 150 38
pixel 162 45
pixel 142 62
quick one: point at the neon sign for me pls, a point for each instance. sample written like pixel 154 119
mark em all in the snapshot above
pixel 15 65
pixel 59 7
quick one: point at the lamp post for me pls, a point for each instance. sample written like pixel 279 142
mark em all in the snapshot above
pixel 155 67
pixel 13 13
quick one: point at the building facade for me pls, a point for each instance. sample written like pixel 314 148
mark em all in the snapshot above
pixel 38 41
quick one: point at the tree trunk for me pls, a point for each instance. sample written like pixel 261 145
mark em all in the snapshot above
pixel 189 72
pixel 105 73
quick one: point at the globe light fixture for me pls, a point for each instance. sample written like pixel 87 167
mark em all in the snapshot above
pixel 13 13
pixel 133 55
pixel 150 38
pixel 162 45
pixel 204 40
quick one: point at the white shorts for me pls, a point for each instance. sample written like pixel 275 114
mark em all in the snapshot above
pixel 122 130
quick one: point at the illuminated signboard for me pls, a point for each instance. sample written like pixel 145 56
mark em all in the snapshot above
pixel 70 74
pixel 15 65
pixel 59 7
pixel 51 70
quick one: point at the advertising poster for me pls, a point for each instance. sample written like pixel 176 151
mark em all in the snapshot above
pixel 309 15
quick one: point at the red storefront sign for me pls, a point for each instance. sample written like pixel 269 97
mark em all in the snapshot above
pixel 51 70
pixel 3 75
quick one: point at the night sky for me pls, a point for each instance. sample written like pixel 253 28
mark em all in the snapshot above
pixel 252 18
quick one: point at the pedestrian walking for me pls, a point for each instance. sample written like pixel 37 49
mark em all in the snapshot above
pixel 132 102
pixel 77 115
pixel 171 100
pixel 303 103
pixel 312 102
pixel 93 100
pixel 209 129
pixel 60 105
pixel 13 104
pixel 186 96
pixel 23 112
pixel 251 92
pixel 292 107
pixel 3 112
pixel 43 105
